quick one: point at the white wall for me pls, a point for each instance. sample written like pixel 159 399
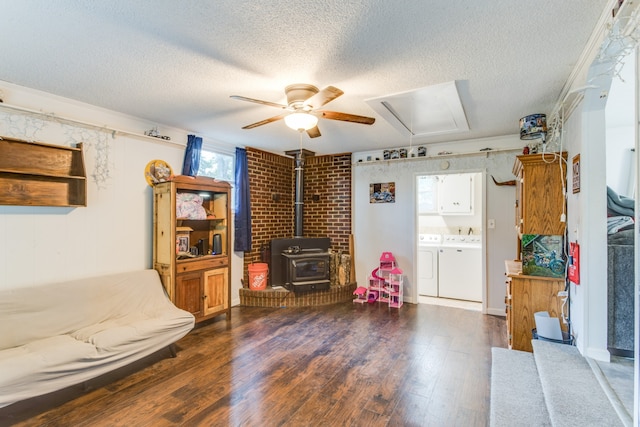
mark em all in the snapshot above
pixel 620 159
pixel 113 233
pixel 572 137
pixel 585 134
pixel 391 226
pixel 620 130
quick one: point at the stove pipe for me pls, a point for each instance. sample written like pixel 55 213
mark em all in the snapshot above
pixel 299 156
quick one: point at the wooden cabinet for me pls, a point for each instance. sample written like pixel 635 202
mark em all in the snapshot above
pixel 539 208
pixel 455 194
pixel 38 174
pixel 526 295
pixel 199 284
pixel 540 200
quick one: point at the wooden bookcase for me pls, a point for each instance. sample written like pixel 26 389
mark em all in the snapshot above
pixel 200 284
pixel 539 206
pixel 38 174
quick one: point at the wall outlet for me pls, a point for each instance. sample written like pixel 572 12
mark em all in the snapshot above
pixel 491 223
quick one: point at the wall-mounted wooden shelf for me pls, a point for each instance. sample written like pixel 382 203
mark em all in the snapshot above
pixel 38 174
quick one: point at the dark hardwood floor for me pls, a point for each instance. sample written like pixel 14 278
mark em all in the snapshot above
pixel 344 364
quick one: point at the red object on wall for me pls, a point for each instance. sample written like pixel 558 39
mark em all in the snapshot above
pixel 574 263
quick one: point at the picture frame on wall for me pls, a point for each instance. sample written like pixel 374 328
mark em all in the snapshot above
pixel 384 192
pixel 576 173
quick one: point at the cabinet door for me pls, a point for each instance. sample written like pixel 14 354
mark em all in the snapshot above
pixel 529 295
pixel 216 290
pixel 455 194
pixel 189 293
pixel 541 194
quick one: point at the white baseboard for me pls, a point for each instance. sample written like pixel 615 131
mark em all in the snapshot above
pixel 496 312
pixel 600 354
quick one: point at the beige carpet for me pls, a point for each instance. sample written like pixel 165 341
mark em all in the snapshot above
pixel 555 385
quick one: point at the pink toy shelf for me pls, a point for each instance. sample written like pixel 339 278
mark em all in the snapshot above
pixel 385 284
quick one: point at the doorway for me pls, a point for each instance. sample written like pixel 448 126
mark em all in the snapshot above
pixel 621 180
pixel 450 250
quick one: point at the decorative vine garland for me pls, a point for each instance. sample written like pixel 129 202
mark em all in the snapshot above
pixel 29 127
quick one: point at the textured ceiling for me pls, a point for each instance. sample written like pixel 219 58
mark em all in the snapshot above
pixel 177 62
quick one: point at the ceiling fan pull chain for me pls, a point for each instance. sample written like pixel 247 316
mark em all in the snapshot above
pixel 300 132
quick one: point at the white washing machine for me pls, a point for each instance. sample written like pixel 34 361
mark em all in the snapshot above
pixel 428 245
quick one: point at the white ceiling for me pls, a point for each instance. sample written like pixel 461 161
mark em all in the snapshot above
pixel 176 63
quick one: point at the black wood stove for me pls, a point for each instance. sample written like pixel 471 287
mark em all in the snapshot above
pixel 301 264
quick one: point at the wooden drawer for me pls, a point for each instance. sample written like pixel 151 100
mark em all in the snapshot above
pixel 205 263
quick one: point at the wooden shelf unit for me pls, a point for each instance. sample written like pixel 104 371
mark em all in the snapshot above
pixel 525 296
pixel 200 285
pixel 39 174
pixel 539 205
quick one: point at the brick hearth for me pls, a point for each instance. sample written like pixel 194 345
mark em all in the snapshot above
pixel 284 298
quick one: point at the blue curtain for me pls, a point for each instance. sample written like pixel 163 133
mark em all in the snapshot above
pixel 243 203
pixel 192 156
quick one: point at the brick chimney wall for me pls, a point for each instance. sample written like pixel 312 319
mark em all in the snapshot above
pixel 271 185
pixel 328 214
pixel 271 180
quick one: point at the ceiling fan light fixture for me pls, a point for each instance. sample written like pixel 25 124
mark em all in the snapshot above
pixel 301 112
pixel 301 121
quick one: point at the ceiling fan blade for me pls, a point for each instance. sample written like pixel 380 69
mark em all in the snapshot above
pixel 314 132
pixel 258 101
pixel 334 115
pixel 323 97
pixel 265 121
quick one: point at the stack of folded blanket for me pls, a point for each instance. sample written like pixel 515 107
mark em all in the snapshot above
pixel 620 210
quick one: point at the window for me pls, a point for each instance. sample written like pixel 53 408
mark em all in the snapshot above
pixel 216 164
pixel 427 188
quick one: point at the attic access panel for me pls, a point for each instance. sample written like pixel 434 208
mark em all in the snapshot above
pixel 429 111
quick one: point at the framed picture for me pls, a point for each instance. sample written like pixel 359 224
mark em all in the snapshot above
pixel 576 173
pixel 183 243
pixel 384 192
pixel 542 255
